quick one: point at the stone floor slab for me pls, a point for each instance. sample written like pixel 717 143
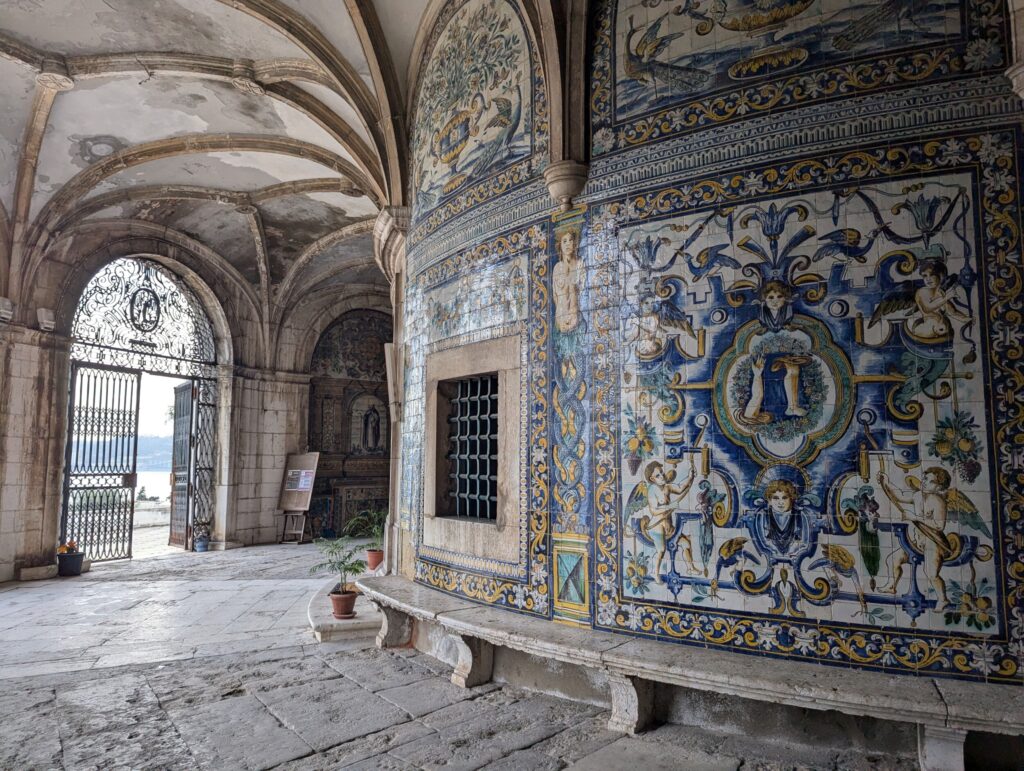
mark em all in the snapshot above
pixel 368 747
pixel 30 736
pixel 430 695
pixel 237 733
pixel 376 671
pixel 633 752
pixel 331 712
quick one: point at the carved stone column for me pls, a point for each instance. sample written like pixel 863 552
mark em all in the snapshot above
pixel 389 239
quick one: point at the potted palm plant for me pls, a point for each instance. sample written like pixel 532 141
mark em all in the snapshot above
pixel 369 523
pixel 339 557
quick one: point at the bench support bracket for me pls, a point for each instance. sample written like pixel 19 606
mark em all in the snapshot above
pixel 940 749
pixel 632 703
pixel 476 661
pixel 395 630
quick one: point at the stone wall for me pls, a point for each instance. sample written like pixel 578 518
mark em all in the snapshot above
pixel 268 423
pixel 772 354
pixel 33 405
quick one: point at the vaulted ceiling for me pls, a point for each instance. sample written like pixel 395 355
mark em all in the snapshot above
pixel 269 132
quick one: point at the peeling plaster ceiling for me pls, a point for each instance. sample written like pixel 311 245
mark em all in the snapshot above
pixel 89 123
pixel 77 27
pixel 166 111
pixel 17 86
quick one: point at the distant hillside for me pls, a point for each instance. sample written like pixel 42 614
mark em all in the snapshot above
pixel 154 453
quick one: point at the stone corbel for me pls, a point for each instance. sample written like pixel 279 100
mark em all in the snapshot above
pixel 632 703
pixel 940 749
pixel 395 630
pixel 6 310
pixel 476 661
pixel 565 181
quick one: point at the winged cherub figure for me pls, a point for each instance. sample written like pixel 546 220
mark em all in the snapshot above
pixel 928 506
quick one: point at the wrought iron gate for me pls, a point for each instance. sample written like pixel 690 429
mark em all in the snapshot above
pixel 181 463
pixel 99 482
pixel 135 316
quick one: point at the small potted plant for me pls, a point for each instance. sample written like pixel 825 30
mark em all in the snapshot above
pixel 201 534
pixel 69 559
pixel 369 523
pixel 339 557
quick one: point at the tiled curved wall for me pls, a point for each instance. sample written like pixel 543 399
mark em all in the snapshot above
pixel 775 402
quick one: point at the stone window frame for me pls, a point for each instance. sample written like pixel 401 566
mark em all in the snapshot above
pixel 496 539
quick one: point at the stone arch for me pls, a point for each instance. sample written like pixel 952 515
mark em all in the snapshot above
pixel 185 266
pixel 302 328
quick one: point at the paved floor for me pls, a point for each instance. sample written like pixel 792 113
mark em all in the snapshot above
pixel 207 661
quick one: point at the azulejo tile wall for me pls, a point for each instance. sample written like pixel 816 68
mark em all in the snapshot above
pixel 775 359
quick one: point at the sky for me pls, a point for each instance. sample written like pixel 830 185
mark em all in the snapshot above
pixel 156 400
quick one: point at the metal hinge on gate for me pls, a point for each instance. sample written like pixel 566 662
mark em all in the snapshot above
pixel 129 480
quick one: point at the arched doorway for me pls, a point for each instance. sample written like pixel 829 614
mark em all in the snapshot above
pixel 135 318
pixel 349 424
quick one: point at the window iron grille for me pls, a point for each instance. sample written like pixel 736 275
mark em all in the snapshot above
pixel 473 448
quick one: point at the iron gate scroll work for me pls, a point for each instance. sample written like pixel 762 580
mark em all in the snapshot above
pixel 134 316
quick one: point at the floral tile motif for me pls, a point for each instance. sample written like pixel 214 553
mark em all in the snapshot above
pixel 481 119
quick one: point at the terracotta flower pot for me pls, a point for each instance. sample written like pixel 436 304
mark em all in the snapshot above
pixel 344 604
pixel 373 558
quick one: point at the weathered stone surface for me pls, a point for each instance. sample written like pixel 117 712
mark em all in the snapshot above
pixel 225 676
pixel 429 695
pixel 376 671
pixel 153 742
pixel 630 752
pixel 579 740
pixel 531 759
pixel 29 737
pixel 237 732
pixel 364 748
pixel 328 713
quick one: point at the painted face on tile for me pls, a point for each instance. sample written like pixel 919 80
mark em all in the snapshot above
pixel 780 501
pixel 568 245
pixel 775 300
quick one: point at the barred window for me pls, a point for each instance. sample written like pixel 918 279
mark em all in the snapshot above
pixel 470 474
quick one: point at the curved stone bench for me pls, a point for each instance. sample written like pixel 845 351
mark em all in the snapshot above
pixel 943 709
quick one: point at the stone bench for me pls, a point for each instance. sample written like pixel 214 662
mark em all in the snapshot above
pixel 943 709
